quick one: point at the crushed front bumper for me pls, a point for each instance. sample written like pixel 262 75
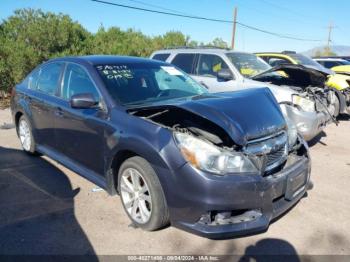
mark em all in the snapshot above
pixel 256 198
pixel 309 124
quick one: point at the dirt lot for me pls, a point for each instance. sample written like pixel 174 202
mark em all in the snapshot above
pixel 47 209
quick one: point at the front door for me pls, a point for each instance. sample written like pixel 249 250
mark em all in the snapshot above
pixel 206 73
pixel 80 132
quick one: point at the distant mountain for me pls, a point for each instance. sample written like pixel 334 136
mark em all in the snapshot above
pixel 338 49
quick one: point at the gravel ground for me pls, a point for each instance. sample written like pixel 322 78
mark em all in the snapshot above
pixel 47 209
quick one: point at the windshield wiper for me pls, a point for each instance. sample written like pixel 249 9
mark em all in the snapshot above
pixel 261 73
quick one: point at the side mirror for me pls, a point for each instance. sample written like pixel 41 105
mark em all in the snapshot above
pixel 224 75
pixel 83 101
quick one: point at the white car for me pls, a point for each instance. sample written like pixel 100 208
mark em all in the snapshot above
pixel 302 96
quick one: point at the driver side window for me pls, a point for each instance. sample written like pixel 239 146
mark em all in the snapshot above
pixel 210 65
pixel 77 81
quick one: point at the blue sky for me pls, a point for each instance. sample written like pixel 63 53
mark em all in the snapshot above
pixel 300 18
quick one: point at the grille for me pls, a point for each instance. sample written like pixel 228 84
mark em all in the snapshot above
pixel 273 149
pixel 275 157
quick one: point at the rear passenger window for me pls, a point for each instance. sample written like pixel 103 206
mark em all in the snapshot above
pixel 161 57
pixel 210 65
pixel 184 61
pixel 33 80
pixel 77 81
pixel 48 78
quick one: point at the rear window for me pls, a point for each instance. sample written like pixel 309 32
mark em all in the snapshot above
pixel 184 61
pixel 161 57
pixel 48 78
pixel 32 80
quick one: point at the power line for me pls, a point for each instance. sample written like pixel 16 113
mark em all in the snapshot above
pixel 276 34
pixel 206 19
pixel 157 6
pixel 164 13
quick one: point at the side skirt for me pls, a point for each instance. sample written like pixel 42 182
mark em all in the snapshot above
pixel 72 165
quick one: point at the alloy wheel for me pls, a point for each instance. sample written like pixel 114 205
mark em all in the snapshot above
pixel 135 195
pixel 24 135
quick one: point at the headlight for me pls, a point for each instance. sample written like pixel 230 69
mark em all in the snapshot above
pixel 292 132
pixel 207 157
pixel 305 103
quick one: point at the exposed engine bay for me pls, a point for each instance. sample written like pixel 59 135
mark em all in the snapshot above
pixel 296 76
pixel 179 119
pixel 309 83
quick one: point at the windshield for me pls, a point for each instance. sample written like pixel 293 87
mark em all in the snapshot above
pixel 344 62
pixel 248 65
pixel 141 84
pixel 304 60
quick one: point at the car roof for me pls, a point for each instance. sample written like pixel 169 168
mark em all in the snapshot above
pixel 107 59
pixel 340 57
pixel 329 59
pixel 275 53
pixel 196 50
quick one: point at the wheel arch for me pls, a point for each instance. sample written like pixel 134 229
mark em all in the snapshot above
pixel 127 150
pixel 113 169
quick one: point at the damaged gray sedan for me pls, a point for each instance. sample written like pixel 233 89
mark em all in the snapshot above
pixel 210 164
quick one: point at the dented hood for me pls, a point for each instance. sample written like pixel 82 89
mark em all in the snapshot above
pixel 244 115
pixel 312 76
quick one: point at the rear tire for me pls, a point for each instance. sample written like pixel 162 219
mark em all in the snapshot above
pixel 142 195
pixel 24 130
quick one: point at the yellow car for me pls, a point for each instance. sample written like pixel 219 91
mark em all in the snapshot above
pixel 342 69
pixel 340 82
pixel 338 65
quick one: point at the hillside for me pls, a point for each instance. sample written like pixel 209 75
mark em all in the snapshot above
pixel 341 50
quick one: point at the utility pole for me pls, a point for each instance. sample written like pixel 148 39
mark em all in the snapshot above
pixel 234 28
pixel 330 28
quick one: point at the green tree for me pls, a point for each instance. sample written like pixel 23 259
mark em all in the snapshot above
pixel 30 37
pixel 326 51
pixel 218 42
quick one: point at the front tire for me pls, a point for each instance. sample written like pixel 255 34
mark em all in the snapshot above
pixel 336 106
pixel 142 195
pixel 25 135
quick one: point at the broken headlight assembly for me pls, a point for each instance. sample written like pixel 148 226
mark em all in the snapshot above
pixel 304 103
pixel 208 157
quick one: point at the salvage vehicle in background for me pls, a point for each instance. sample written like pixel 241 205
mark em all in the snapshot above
pixel 338 65
pixel 339 82
pixel 347 58
pixel 331 62
pixel 301 95
pixel 211 164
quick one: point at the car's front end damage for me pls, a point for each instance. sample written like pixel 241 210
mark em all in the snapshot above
pixel 341 83
pixel 311 105
pixel 242 165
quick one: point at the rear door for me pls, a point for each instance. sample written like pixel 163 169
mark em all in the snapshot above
pixel 42 96
pixel 80 132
